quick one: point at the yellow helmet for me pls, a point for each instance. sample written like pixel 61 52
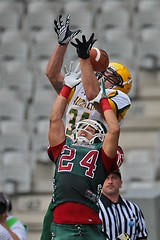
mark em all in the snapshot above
pixel 123 76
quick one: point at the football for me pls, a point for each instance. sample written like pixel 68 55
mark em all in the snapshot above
pixel 99 59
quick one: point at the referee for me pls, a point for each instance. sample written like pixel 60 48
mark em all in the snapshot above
pixel 122 219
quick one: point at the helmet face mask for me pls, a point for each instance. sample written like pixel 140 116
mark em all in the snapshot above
pixel 83 125
pixel 116 79
pixel 119 77
pixel 126 77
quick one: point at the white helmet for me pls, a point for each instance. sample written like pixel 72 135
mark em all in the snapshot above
pixel 83 125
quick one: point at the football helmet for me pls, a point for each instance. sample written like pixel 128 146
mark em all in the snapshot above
pixel 83 125
pixel 123 76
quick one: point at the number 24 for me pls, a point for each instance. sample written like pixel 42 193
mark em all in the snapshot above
pixel 89 161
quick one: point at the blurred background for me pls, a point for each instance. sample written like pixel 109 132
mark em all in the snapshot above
pixel 129 31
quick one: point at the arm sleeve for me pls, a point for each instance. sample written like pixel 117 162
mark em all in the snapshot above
pixel 53 152
pixel 143 233
pixel 120 103
pixel 109 163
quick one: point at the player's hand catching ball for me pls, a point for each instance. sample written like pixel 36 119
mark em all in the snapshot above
pixel 65 35
pixel 84 47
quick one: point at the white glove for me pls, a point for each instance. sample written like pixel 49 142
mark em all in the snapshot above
pixel 72 76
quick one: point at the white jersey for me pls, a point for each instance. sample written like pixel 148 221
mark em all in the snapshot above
pixel 80 108
pixel 4 234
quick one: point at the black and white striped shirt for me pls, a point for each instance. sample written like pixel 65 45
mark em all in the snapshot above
pixel 122 217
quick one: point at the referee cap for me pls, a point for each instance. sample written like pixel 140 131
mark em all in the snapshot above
pixel 117 172
pixel 4 203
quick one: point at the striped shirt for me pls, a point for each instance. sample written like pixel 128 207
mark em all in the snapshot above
pixel 122 217
pixel 4 234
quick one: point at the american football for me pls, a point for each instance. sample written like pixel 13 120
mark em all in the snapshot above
pixel 99 59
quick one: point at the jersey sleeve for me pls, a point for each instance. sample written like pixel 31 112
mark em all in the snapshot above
pixel 53 152
pixel 71 95
pixel 120 103
pixel 142 230
pixel 110 164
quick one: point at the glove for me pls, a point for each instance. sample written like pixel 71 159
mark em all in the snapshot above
pixel 63 32
pixel 72 77
pixel 84 47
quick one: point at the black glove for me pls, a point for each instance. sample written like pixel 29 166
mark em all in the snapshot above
pixel 84 47
pixel 63 32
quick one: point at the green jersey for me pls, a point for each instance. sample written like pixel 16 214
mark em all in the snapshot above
pixel 78 169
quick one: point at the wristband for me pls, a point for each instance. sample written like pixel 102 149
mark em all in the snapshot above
pixel 105 104
pixel 66 90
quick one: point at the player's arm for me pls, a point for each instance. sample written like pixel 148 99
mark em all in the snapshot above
pixel 111 139
pixel 89 79
pixel 65 35
pixel 110 143
pixel 56 133
pixel 53 69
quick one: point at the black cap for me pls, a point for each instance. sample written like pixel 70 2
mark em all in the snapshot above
pixel 3 208
pixel 3 203
pixel 117 172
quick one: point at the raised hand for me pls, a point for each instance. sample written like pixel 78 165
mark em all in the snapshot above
pixel 84 47
pixel 65 35
pixel 72 76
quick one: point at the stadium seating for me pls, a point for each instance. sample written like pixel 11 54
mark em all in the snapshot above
pixel 42 50
pixel 19 141
pixel 38 20
pixel 20 81
pixel 145 19
pixel 83 18
pixel 9 19
pixel 144 5
pixel 55 6
pixel 129 31
pixel 142 165
pixel 14 50
pixel 111 19
pixel 10 126
pixel 147 55
pixel 12 108
pixel 16 173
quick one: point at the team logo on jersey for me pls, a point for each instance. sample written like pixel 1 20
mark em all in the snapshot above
pixel 82 103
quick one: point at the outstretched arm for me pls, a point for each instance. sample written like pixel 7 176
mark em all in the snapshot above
pixel 110 143
pixel 53 70
pixel 65 35
pixel 89 79
pixel 57 129
pixel 56 133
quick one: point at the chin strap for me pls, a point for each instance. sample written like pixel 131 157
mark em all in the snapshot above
pixel 83 140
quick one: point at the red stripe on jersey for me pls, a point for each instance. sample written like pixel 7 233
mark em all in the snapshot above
pixel 75 213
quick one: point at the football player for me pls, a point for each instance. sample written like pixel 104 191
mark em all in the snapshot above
pixel 79 107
